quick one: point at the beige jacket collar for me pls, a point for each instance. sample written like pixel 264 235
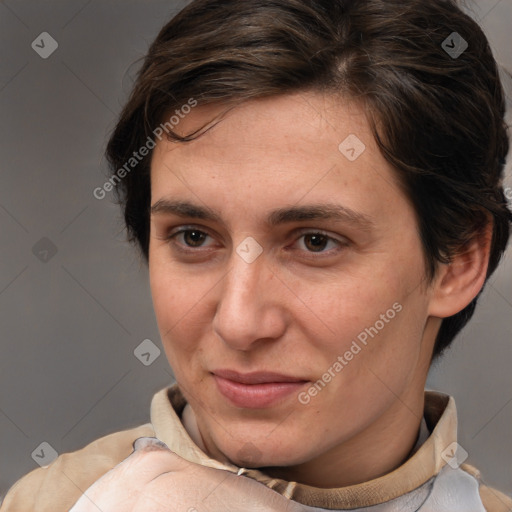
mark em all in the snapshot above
pixel 440 415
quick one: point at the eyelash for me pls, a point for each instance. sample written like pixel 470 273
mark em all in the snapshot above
pixel 302 233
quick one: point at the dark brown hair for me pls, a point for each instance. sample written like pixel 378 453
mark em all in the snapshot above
pixel 437 117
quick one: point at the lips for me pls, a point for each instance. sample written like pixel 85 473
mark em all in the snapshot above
pixel 256 390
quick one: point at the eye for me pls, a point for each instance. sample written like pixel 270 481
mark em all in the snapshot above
pixel 188 237
pixel 319 242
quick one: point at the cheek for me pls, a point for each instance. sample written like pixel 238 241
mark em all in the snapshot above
pixel 375 320
pixel 179 309
pixel 341 308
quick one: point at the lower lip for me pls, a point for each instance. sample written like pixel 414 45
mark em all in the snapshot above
pixel 256 396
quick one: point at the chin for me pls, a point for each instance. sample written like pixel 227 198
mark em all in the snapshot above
pixel 257 455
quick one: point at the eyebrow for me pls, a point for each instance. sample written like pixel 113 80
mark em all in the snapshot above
pixel 326 211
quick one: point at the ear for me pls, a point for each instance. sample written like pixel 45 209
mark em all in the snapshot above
pixel 459 282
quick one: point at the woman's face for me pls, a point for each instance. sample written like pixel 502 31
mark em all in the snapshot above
pixel 275 249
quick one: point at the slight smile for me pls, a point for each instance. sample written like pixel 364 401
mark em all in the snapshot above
pixel 256 390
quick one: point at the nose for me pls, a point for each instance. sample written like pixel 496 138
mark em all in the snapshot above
pixel 250 308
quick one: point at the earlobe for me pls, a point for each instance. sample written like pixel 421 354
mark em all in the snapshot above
pixel 460 281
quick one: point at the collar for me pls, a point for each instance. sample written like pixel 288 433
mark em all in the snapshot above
pixel 440 418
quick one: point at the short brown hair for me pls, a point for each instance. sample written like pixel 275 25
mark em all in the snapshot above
pixel 437 117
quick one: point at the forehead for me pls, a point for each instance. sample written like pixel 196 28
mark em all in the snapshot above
pixel 286 124
pixel 290 149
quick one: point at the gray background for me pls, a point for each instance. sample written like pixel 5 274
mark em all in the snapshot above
pixel 69 325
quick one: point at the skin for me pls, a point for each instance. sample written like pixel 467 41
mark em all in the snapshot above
pixel 298 306
pixel 154 479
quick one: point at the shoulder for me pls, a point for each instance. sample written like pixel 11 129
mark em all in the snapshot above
pixel 58 486
pixel 492 500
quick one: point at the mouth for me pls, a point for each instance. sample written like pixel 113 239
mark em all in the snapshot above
pixel 256 390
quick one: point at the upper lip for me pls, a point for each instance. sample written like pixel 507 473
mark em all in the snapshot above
pixel 256 377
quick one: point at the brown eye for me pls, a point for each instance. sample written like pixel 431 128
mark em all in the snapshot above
pixel 193 238
pixel 188 239
pixel 316 242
